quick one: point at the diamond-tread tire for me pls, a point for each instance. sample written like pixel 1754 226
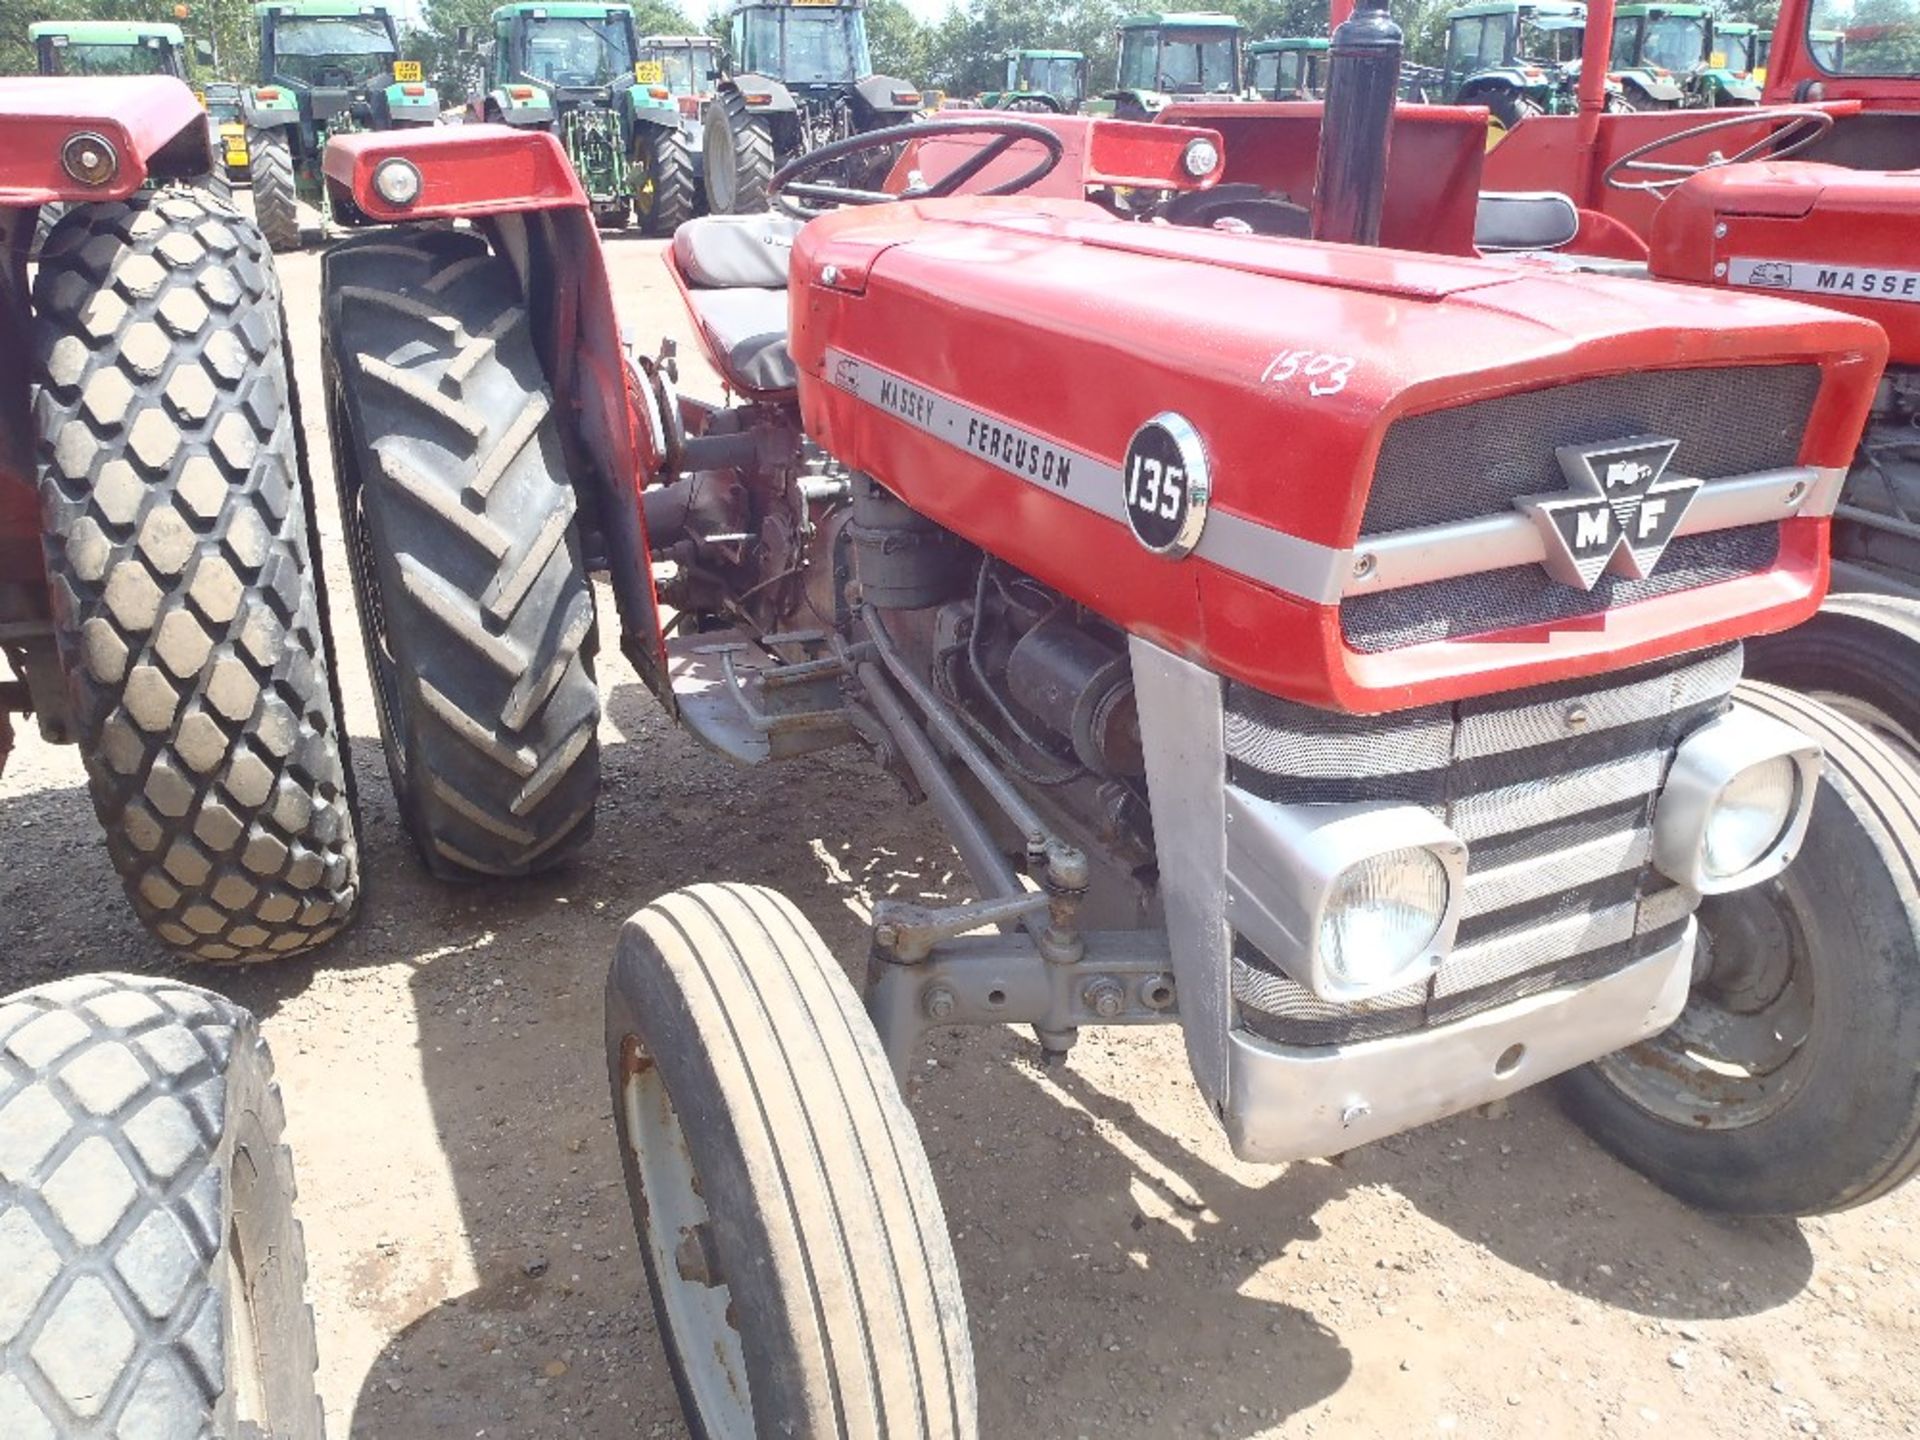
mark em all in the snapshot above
pixel 140 1136
pixel 676 188
pixel 751 151
pixel 474 601
pixel 1852 1132
pixel 826 1223
pixel 186 587
pixel 276 202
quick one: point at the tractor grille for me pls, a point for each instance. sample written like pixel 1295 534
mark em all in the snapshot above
pixel 1552 789
pixel 1475 460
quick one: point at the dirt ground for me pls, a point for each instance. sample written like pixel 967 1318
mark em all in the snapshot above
pixel 473 1265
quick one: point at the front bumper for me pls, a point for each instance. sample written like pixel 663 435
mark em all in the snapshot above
pixel 1294 1103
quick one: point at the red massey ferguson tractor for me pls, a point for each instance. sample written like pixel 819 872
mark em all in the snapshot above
pixel 159 607
pixel 1351 676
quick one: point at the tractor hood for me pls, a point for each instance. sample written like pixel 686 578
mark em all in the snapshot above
pixel 996 362
pixel 152 122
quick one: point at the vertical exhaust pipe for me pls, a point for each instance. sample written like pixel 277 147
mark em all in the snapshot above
pixel 1356 128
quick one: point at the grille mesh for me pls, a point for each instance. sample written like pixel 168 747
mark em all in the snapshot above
pixel 1552 788
pixel 1477 459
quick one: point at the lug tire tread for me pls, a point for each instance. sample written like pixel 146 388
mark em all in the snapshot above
pixel 276 204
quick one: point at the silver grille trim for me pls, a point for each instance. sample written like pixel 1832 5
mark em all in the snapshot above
pixel 1496 732
pixel 1400 558
pixel 1524 880
pixel 1503 956
pixel 1555 797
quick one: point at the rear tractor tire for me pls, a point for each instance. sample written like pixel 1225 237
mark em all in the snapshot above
pixel 155 1268
pixel 188 607
pixel 794 1243
pixel 671 194
pixel 459 516
pixel 737 148
pixel 1860 655
pixel 276 198
pixel 1790 1085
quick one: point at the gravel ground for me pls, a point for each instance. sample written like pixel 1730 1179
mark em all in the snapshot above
pixel 473 1265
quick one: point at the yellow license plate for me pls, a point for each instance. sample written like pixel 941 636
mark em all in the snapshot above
pixel 406 70
pixel 817 2
pixel 649 72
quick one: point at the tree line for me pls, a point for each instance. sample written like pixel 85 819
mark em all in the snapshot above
pixel 963 52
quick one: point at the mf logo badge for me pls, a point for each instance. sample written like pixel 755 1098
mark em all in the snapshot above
pixel 1619 513
pixel 1164 485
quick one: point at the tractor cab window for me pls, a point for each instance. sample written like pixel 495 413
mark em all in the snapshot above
pixel 1734 51
pixel 578 52
pixel 1180 62
pixel 224 112
pixel 145 57
pixel 804 45
pixel 1056 77
pixel 332 51
pixel 683 68
pixel 1871 37
pixel 1626 42
pixel 1266 74
pixel 1676 42
pixel 1476 43
pixel 1551 39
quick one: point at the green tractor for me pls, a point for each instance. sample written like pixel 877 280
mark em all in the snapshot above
pixel 1168 58
pixel 805 79
pixel 1516 57
pixel 113 47
pixel 1292 68
pixel 623 108
pixel 1041 80
pixel 1729 78
pixel 1660 53
pixel 327 67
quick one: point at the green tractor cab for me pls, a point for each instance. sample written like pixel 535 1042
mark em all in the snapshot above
pixel 1292 68
pixel 805 80
pixel 615 102
pixel 327 67
pixel 1660 53
pixel 1516 57
pixel 1041 80
pixel 113 47
pixel 1168 58
pixel 1730 77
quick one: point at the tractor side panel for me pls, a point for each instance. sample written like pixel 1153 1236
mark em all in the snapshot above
pixel 992 361
pixel 1433 169
pixel 1847 239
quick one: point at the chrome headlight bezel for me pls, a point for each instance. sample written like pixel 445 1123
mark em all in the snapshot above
pixel 1285 864
pixel 1706 765
pixel 397 181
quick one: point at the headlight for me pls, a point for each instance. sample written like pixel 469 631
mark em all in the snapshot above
pixel 1736 803
pixel 1381 918
pixel 1201 158
pixel 1351 901
pixel 397 181
pixel 1750 816
pixel 89 158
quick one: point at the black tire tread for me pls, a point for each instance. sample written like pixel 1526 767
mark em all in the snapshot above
pixel 276 198
pixel 676 188
pixel 1863 647
pixel 186 589
pixel 753 152
pixel 123 1103
pixel 442 414
pixel 855 1226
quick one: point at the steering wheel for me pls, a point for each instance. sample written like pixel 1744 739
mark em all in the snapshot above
pixel 1801 129
pixel 805 199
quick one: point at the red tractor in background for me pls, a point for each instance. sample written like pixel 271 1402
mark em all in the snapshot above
pixel 160 608
pixel 1352 676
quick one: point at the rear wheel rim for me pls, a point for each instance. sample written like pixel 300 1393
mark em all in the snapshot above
pixel 721 163
pixel 677 1229
pixel 1739 1053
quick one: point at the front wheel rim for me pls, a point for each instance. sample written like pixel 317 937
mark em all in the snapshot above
pixel 720 159
pixel 677 1228
pixel 1739 1053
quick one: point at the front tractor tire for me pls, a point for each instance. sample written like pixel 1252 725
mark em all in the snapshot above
pixel 802 1276
pixel 1790 1085
pixel 276 197
pixel 459 516
pixel 187 597
pixel 155 1267
pixel 670 195
pixel 738 153
pixel 1861 655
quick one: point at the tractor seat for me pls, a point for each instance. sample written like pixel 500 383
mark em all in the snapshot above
pixel 735 267
pixel 1507 220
